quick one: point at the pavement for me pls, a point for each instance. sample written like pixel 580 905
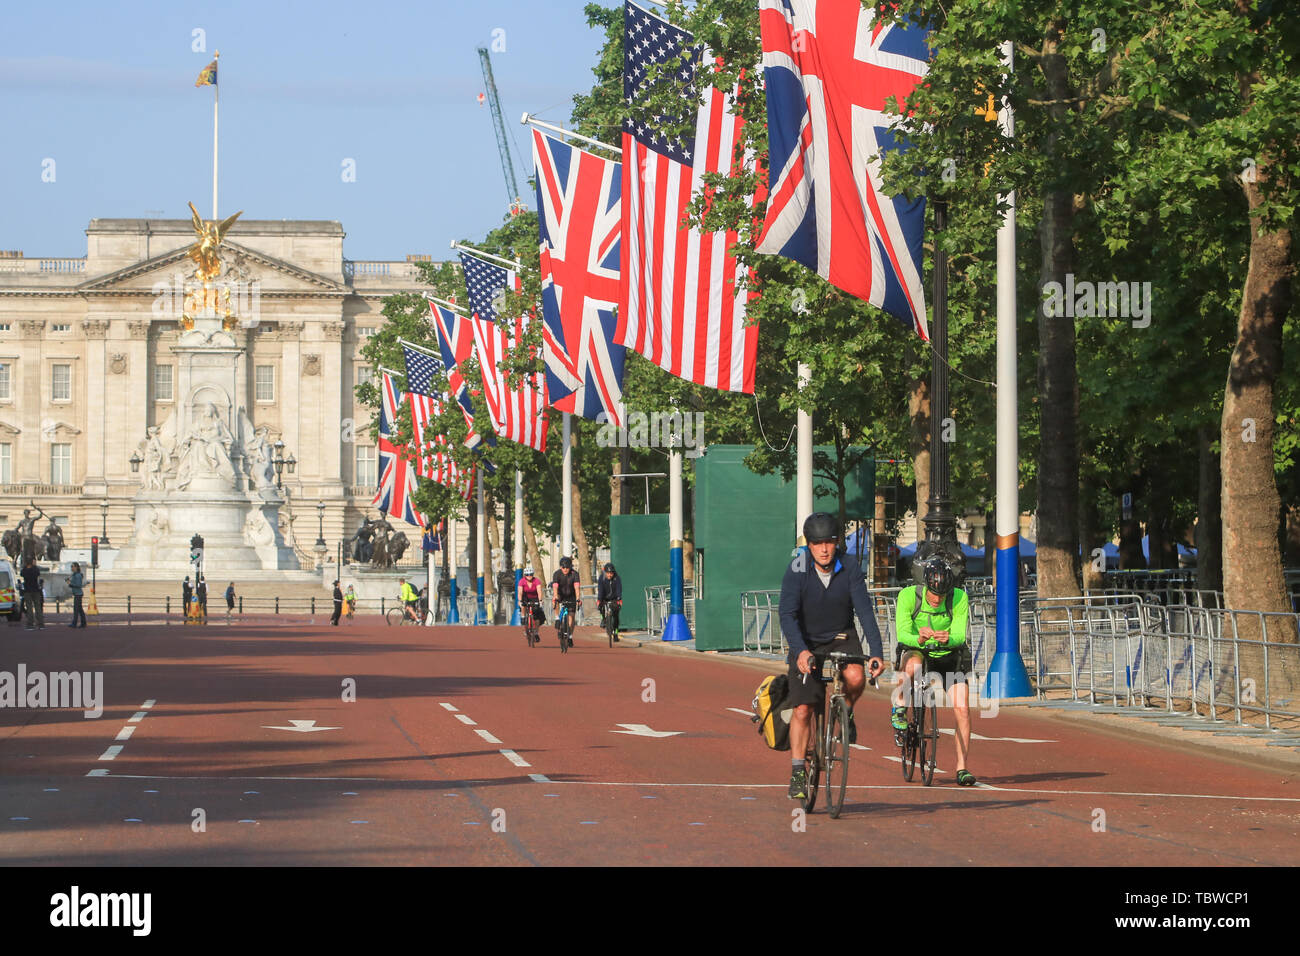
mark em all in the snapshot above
pixel 311 745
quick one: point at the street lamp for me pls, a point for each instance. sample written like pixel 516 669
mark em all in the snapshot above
pixel 320 533
pixel 281 463
pixel 136 461
pixel 103 514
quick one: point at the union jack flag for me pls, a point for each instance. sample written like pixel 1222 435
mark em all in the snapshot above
pixel 518 412
pixel 456 342
pixel 829 67
pixel 396 474
pixel 434 461
pixel 579 218
pixel 679 304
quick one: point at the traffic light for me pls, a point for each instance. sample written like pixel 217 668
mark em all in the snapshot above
pixel 94 552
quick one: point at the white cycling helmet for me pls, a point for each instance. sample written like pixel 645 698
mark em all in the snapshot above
pixel 528 571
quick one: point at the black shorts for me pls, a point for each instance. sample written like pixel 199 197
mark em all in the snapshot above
pixel 956 663
pixel 806 688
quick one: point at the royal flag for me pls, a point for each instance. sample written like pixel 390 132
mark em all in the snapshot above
pixel 208 76
pixel 396 472
pixel 579 218
pixel 829 66
pixel 680 302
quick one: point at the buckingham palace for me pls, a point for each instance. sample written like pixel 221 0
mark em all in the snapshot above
pixel 89 372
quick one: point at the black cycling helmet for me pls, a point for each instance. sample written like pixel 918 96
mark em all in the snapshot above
pixel 820 526
pixel 566 563
pixel 609 569
pixel 938 577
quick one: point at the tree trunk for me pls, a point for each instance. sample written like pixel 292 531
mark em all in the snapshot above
pixel 616 485
pixel 918 410
pixel 534 555
pixel 1058 384
pixel 1209 520
pixel 493 545
pixel 582 560
pixel 1252 562
pixel 471 540
pixel 1090 537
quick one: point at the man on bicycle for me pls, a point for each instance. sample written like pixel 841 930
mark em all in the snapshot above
pixel 609 596
pixel 530 595
pixel 564 590
pixel 941 611
pixel 411 598
pixel 820 593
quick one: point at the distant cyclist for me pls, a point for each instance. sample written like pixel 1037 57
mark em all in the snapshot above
pixel 609 596
pixel 820 593
pixel 411 598
pixel 941 610
pixel 529 594
pixel 564 590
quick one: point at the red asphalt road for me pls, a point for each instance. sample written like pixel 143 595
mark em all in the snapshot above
pixel 415 774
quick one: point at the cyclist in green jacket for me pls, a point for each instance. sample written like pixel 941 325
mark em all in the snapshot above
pixel 411 598
pixel 934 618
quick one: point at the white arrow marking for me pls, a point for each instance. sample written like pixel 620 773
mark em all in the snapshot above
pixel 1014 740
pixel 747 713
pixel 641 730
pixel 301 727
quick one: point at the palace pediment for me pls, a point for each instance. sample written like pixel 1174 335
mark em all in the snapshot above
pixel 276 276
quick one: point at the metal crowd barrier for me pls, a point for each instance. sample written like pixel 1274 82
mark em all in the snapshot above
pixel 656 607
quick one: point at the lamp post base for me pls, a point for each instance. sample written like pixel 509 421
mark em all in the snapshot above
pixel 1007 677
pixel 676 628
pixel 453 612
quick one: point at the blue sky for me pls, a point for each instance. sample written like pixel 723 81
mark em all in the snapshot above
pixel 107 91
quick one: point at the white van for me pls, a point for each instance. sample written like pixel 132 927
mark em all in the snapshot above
pixel 9 602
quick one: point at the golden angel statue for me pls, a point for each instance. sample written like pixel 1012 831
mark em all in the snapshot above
pixel 204 252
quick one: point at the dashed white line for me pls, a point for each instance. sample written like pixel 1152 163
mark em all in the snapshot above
pixel 487 736
pixel 539 778
pixel 125 733
pixel 448 707
pixel 465 720
pixel 136 717
pixel 111 752
pixel 515 759
pixel 148 704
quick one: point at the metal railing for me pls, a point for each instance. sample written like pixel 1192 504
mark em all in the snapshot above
pixel 656 607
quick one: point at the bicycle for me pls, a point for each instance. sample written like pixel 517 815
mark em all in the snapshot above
pixel 607 620
pixel 920 744
pixel 564 625
pixel 531 633
pixel 828 744
pixel 398 616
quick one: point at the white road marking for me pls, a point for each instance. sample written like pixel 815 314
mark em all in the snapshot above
pixel 300 727
pixel 136 717
pixel 448 707
pixel 465 720
pixel 111 752
pixel 900 760
pixel 539 778
pixel 103 772
pixel 487 736
pixel 642 730
pixel 125 733
pixel 1014 740
pixel 738 710
pixel 515 759
pixel 859 747
pixel 148 704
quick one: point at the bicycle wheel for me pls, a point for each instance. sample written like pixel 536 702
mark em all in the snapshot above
pixel 910 737
pixel 814 764
pixel 564 636
pixel 394 616
pixel 609 628
pixel 837 756
pixel 929 741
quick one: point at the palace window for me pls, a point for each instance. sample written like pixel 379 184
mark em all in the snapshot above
pixel 366 475
pixel 162 383
pixel 264 383
pixel 60 327
pixel 365 331
pixel 61 383
pixel 6 370
pixel 60 463
pixel 6 463
pixel 365 375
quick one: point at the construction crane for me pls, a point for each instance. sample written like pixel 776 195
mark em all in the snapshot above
pixel 503 147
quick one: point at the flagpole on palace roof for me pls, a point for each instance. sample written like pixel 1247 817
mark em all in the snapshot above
pixel 216 101
pixel 508 263
pixel 529 120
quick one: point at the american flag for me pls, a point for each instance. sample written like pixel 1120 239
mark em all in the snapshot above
pixel 829 67
pixel 679 303
pixel 397 473
pixel 434 461
pixel 456 342
pixel 421 370
pixel 518 412
pixel 579 221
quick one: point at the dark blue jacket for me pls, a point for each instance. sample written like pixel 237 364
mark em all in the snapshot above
pixel 811 612
pixel 609 589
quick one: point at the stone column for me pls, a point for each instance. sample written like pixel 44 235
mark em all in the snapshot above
pixel 27 466
pixel 336 385
pixel 99 404
pixel 135 404
pixel 289 393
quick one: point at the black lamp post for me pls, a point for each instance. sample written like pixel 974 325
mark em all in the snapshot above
pixel 320 531
pixel 103 514
pixel 281 463
pixel 136 461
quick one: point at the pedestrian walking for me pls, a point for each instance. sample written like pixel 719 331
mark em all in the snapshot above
pixel 338 605
pixel 201 592
pixel 187 593
pixel 33 598
pixel 350 603
pixel 230 599
pixel 77 584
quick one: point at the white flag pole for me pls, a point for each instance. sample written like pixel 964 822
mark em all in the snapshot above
pixel 216 101
pixel 804 465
